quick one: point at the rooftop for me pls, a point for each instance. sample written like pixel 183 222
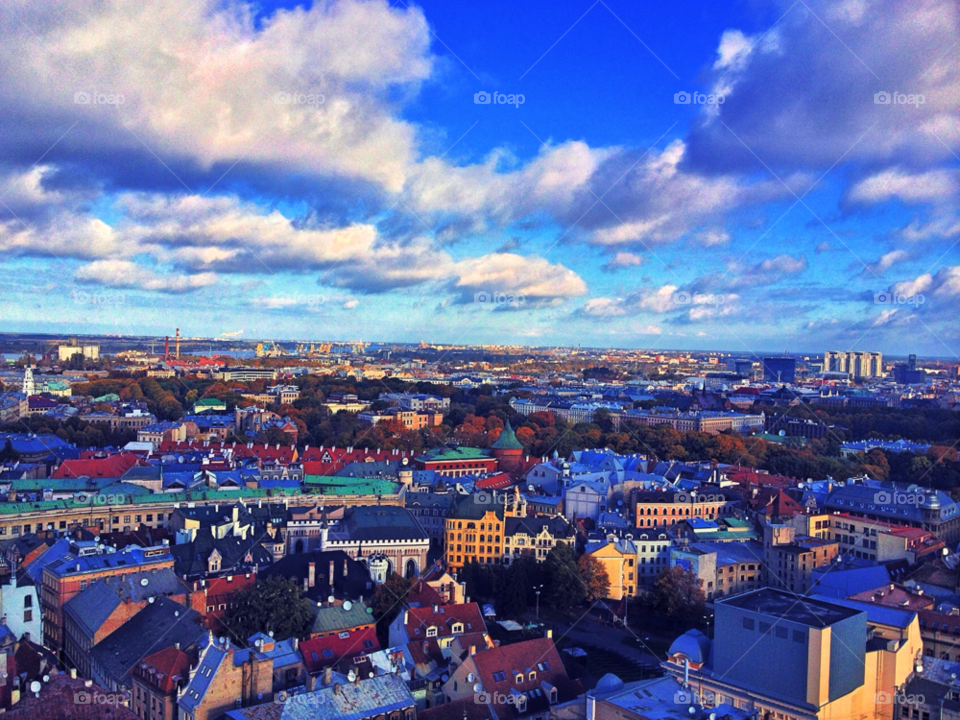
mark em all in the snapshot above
pixel 794 608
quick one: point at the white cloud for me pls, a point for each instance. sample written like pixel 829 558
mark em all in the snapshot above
pixel 127 274
pixel 931 186
pixel 623 260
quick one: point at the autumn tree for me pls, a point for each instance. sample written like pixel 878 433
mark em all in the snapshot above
pixel 594 577
pixel 274 604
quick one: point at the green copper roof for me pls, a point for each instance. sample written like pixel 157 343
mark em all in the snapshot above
pixel 507 440
pixel 441 454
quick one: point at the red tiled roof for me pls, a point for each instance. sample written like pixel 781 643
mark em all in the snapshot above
pixel 495 482
pixel 327 461
pixel 423 595
pixel 283 454
pixel 539 656
pixel 167 666
pixel 776 501
pixel 446 616
pixel 112 466
pixel 357 642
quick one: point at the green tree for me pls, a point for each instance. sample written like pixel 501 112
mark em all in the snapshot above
pixel 273 604
pixel 678 594
pixel 566 589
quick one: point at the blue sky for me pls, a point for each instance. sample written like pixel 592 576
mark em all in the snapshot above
pixel 310 171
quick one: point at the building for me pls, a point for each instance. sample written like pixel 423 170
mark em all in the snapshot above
pixel 655 507
pixel 857 364
pixel 456 461
pixel 441 623
pixel 375 698
pixel 722 568
pixel 658 699
pixel 474 531
pixel 65 352
pixel 790 559
pixel 157 681
pixel 535 536
pixel 407 419
pixel 520 680
pixel 86 563
pixel 430 509
pixel 618 556
pixel 931 510
pixel 780 370
pixel 225 678
pixel 798 658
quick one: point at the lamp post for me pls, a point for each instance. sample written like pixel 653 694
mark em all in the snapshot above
pixel 537 590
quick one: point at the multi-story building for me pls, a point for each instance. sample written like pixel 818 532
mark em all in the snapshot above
pixel 798 658
pixel 654 507
pixel 925 508
pixel 790 559
pixel 618 556
pixel 856 363
pixel 722 568
pixel 431 509
pixel 407 419
pixel 157 681
pixel 868 538
pixel 67 577
pixel 535 536
pixel 474 531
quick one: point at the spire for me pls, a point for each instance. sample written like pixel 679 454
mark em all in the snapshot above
pixel 507 440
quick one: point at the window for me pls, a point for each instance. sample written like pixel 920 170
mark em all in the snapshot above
pixel 748 624
pixel 28 616
pixel 28 601
pixel 431 632
pixel 782 633
pixel 327 653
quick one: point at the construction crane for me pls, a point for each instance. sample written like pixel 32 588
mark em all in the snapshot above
pixel 260 351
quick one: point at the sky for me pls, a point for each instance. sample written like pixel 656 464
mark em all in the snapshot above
pixel 745 176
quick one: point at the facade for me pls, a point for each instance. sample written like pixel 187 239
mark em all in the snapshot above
pixel 790 559
pixel 456 461
pixel 723 568
pixel 431 511
pixel 475 530
pixel 655 508
pixel 798 658
pixel 780 370
pixel 857 364
pixel 156 683
pixel 619 559
pixel 535 537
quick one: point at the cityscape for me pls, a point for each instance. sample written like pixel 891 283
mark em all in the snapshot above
pixel 386 360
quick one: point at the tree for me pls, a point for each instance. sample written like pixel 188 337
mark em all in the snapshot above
pixel 678 594
pixel 566 589
pixel 387 598
pixel 8 454
pixel 512 589
pixel 273 604
pixel 594 577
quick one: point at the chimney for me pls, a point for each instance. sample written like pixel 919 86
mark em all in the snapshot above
pixel 336 689
pixel 312 574
pixel 549 634
pixel 331 573
pixel 473 650
pixel 436 609
pixel 73 673
pixel 327 675
pixel 345 567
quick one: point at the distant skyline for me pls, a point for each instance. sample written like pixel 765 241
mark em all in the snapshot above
pixel 751 176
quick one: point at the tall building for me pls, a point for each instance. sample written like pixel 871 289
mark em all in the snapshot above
pixel 29 387
pixel 799 658
pixel 779 369
pixel 857 363
pixel 908 373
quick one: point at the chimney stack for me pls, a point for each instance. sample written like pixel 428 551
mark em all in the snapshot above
pixel 331 573
pixel 473 650
pixel 312 574
pixel 327 675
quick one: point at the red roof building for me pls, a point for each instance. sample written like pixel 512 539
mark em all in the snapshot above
pixel 346 648
pixel 111 466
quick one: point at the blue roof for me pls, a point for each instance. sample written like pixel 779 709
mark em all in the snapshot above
pixel 879 614
pixel 210 660
pixel 841 583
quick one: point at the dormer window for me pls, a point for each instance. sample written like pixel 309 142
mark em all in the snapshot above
pixel 431 632
pixel 519 678
pixel 532 676
pixel 457 628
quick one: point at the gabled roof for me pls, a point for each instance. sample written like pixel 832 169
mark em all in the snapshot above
pixel 339 617
pixel 322 652
pixel 443 618
pixel 164 669
pixel 112 466
pixel 366 698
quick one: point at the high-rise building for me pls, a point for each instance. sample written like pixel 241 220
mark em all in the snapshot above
pixel 779 369
pixel 856 363
pixel 908 373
